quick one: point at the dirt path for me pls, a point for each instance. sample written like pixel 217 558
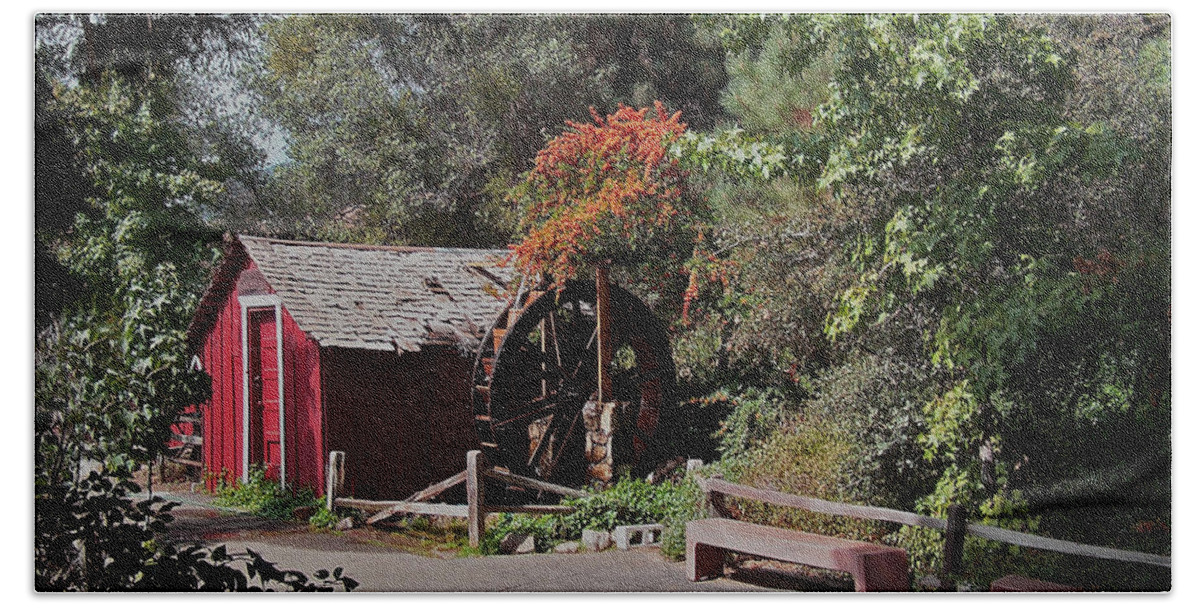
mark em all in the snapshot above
pixel 379 561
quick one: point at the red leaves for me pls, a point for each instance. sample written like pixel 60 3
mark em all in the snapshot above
pixel 603 190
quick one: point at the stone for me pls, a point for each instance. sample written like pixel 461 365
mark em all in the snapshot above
pixel 345 524
pixel 647 535
pixel 516 544
pixel 596 540
pixel 567 547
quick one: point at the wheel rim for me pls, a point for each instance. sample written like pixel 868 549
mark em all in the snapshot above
pixel 529 393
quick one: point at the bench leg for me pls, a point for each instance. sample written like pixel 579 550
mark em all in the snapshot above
pixel 704 561
pixel 875 571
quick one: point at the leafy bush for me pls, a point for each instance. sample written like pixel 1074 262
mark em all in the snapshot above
pixel 546 531
pixel 89 536
pixel 629 501
pixel 806 456
pixel 262 496
pixel 323 518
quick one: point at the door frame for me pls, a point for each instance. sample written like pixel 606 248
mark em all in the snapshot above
pixel 259 302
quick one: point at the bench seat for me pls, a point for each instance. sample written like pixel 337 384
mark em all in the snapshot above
pixel 874 567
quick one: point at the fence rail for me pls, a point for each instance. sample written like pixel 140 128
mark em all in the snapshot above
pixel 1012 537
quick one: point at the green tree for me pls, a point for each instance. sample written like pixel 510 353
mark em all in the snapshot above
pixel 435 117
pixel 1007 219
pixel 112 374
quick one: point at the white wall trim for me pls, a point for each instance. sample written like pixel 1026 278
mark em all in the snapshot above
pixel 258 302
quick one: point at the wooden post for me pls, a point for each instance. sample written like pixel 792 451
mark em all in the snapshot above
pixel 334 475
pixel 603 335
pixel 956 531
pixel 475 510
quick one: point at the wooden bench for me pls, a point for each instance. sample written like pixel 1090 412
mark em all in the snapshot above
pixel 874 567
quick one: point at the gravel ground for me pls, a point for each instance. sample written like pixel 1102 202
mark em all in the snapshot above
pixel 383 561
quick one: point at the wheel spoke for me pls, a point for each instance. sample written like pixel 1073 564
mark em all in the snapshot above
pixel 547 436
pixel 542 407
pixel 564 442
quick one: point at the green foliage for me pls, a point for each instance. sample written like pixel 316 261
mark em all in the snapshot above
pixel 546 530
pixel 90 536
pixel 112 372
pixel 323 518
pixel 999 180
pixel 806 456
pixel 627 502
pixel 263 496
pixel 753 415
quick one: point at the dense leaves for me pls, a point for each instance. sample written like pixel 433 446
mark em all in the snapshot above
pixel 983 319
pixel 607 193
pixel 92 536
pixel 411 128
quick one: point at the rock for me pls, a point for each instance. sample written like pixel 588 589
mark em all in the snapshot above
pixel 567 547
pixel 596 540
pixel 929 583
pixel 516 544
pixel 345 524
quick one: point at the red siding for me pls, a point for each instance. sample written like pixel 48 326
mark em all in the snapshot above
pixel 221 356
pixel 403 421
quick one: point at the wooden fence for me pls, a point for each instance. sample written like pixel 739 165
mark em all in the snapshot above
pixel 476 509
pixel 955 527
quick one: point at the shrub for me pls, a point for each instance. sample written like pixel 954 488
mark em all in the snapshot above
pixel 629 501
pixel 807 456
pixel 323 518
pixel 262 496
pixel 90 536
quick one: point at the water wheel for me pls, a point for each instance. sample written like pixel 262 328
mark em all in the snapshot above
pixel 537 368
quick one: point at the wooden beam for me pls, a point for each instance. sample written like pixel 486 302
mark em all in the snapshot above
pixel 535 484
pixel 188 439
pixel 334 474
pixel 956 532
pixel 535 509
pixel 369 506
pixel 603 334
pixel 419 508
pixel 475 497
pixel 438 488
pixel 820 506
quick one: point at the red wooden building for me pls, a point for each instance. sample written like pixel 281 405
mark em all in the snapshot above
pixel 314 347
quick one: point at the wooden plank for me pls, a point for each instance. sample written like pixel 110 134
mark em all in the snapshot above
pixel 1033 541
pixel 535 509
pixel 185 461
pixel 438 487
pixel 193 418
pixel 604 335
pixel 370 506
pixel 535 484
pixel 820 506
pixel 475 498
pixel 419 508
pixel 912 519
pixel 188 439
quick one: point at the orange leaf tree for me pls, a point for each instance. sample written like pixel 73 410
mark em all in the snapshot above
pixel 607 192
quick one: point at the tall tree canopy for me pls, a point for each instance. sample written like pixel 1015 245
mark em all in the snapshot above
pixel 412 128
pixel 1005 202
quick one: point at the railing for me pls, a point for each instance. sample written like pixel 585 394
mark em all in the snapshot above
pixel 955 527
pixel 476 509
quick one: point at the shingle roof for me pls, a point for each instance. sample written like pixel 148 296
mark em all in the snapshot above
pixel 384 298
